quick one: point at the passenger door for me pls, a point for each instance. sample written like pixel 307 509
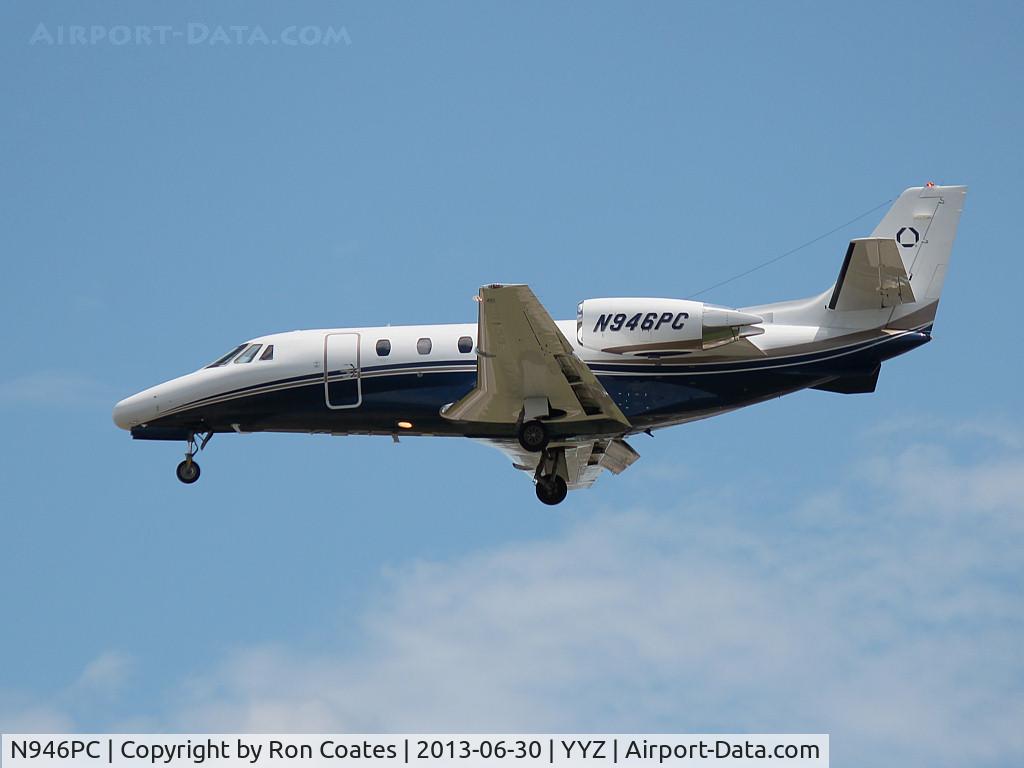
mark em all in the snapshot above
pixel 342 383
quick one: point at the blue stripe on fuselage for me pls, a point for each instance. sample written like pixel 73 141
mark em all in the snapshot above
pixel 648 394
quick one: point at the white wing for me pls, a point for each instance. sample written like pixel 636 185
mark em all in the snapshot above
pixel 526 366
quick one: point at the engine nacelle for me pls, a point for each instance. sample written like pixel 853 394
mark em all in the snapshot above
pixel 655 327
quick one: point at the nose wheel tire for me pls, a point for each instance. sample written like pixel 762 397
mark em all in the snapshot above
pixel 552 490
pixel 188 471
pixel 533 436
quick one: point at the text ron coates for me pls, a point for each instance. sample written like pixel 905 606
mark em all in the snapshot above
pixel 251 750
pixel 192 33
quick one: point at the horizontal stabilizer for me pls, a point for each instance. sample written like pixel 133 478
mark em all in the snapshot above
pixel 873 276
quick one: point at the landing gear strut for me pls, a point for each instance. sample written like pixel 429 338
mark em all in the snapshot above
pixel 188 471
pixel 550 481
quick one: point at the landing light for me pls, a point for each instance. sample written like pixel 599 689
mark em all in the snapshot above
pixel 405 424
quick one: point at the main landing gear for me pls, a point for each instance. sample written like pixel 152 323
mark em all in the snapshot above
pixel 550 477
pixel 533 436
pixel 551 489
pixel 188 471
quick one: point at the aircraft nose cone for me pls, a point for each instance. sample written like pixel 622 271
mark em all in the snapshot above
pixel 135 410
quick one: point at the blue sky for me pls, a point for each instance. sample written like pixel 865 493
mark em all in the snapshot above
pixel 818 563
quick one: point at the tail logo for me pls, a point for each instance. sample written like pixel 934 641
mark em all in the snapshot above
pixel 910 240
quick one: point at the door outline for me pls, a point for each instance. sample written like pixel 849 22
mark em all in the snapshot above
pixel 356 373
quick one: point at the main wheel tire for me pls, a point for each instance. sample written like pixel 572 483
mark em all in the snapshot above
pixel 552 490
pixel 188 472
pixel 533 436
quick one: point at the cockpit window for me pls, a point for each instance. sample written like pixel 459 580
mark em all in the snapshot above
pixel 249 354
pixel 268 353
pixel 224 360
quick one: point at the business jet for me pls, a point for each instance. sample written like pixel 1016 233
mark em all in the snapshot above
pixel 562 398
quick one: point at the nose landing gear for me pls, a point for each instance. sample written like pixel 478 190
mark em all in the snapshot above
pixel 188 471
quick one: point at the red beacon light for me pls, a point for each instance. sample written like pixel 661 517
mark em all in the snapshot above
pixel 930 184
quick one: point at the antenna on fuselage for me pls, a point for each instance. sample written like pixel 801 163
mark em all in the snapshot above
pixel 781 256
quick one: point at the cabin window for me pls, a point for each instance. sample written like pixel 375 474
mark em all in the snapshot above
pixel 465 344
pixel 224 360
pixel 383 347
pixel 423 346
pixel 268 353
pixel 249 354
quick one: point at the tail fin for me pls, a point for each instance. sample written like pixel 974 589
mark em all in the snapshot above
pixel 923 222
pixel 892 279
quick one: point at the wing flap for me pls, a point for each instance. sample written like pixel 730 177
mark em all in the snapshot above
pixel 618 455
pixel 583 460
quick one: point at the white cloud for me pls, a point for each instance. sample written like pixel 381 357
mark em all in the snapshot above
pixel 19 716
pixel 105 674
pixel 887 612
pixel 100 681
pixel 884 609
pixel 1002 432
